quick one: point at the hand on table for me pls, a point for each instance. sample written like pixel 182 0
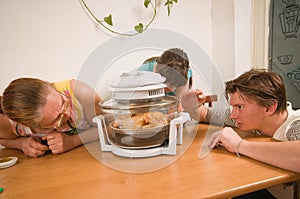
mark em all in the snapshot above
pixel 59 142
pixel 33 147
pixel 227 138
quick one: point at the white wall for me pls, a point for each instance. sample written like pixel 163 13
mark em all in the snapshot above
pixel 52 39
pixel 260 33
pixel 243 34
pixel 223 36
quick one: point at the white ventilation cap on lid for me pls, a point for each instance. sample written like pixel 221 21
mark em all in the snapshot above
pixel 137 79
pixel 138 85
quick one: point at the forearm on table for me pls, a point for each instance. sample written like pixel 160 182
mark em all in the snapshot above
pixel 281 154
pixel 86 136
pixel 14 143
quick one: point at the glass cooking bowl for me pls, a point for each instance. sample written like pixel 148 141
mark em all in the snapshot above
pixel 137 124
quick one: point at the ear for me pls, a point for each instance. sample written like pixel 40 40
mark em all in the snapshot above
pixel 271 109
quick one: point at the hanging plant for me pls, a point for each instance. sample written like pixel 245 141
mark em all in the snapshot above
pixel 107 22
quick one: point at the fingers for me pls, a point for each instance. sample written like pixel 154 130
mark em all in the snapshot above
pixel 55 142
pixel 198 92
pixel 226 137
pixel 39 146
pixel 201 97
pixel 36 146
pixel 192 99
pixel 215 139
pixel 33 147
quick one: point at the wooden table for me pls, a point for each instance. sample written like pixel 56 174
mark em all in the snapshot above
pixel 78 174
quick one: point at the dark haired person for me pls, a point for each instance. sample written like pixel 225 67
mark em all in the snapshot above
pixel 173 64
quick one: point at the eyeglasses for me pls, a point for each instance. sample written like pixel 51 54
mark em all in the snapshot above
pixel 57 122
pixel 60 117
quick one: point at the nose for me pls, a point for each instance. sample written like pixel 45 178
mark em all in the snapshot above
pixel 233 114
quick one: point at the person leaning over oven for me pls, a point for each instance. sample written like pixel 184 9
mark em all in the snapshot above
pixel 258 101
pixel 38 116
pixel 173 64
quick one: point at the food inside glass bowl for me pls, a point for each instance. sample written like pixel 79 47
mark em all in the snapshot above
pixel 141 120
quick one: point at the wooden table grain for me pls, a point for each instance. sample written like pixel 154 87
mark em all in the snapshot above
pixel 80 174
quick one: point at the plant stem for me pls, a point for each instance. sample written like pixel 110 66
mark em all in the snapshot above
pixel 154 15
pixel 115 32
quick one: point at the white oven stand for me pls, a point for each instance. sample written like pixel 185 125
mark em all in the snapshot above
pixel 175 137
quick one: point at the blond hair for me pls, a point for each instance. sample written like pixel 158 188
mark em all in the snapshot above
pixel 23 98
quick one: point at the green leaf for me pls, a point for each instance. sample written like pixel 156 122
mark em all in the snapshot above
pixel 139 28
pixel 146 3
pixel 108 20
pixel 169 4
